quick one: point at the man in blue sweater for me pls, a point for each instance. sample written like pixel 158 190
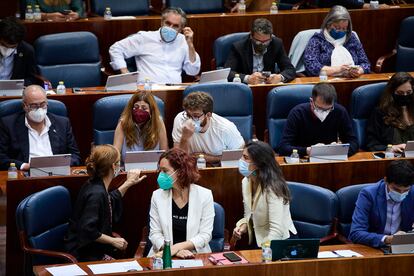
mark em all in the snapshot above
pixel 322 121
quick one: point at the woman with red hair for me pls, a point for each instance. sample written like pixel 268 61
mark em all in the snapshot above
pixel 181 211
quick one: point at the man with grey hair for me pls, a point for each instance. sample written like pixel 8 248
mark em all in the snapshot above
pixel 34 132
pixel 160 55
pixel 260 57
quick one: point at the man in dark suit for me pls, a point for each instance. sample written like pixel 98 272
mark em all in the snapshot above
pixel 257 53
pixel 17 59
pixel 385 208
pixel 34 132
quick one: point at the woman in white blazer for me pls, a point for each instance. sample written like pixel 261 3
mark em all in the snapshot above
pixel 181 211
pixel 265 197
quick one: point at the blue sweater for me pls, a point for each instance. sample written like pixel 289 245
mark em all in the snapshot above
pixel 304 129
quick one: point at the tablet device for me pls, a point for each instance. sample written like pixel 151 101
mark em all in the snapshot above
pixel 143 160
pixel 403 243
pixel 329 153
pixel 409 149
pixel 230 158
pixel 215 76
pixel 51 165
pixel 294 249
pixel 122 82
pixel 11 87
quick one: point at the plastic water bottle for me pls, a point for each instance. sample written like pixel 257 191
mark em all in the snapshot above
pixel 266 252
pixel 294 157
pixel 37 15
pixel 147 84
pixel 323 76
pixel 242 6
pixel 374 5
pixel 201 162
pixel 166 255
pixel 61 89
pixel 12 171
pixel 29 13
pixel 108 14
pixel 273 8
pixel 388 152
pixel 237 78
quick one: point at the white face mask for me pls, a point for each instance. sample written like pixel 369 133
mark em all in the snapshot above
pixel 37 115
pixel 321 114
pixel 5 52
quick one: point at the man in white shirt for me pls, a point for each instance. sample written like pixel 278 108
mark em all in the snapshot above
pixel 160 55
pixel 198 130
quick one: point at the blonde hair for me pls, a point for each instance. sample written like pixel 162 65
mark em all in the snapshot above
pixel 99 162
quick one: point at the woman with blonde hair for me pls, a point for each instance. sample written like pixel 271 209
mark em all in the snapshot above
pixel 140 126
pixel 58 10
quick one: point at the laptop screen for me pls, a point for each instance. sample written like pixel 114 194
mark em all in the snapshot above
pixel 294 249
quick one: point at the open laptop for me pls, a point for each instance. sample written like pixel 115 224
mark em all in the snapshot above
pixel 143 160
pixel 230 158
pixel 11 87
pixel 402 244
pixel 58 164
pixel 121 82
pixel 215 76
pixel 294 249
pixel 409 149
pixel 329 153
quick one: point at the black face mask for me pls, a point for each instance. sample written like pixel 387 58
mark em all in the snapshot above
pixel 259 48
pixel 402 100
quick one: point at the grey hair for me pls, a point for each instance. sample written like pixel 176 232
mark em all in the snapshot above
pixel 31 88
pixel 338 13
pixel 177 11
pixel 262 26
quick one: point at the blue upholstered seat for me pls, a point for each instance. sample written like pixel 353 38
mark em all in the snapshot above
pixel 222 46
pixel 198 6
pixel 9 107
pixel 217 237
pixel 405 46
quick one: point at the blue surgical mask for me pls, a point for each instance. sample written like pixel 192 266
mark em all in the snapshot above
pixel 197 126
pixel 165 181
pixel 396 196
pixel 168 34
pixel 244 168
pixel 337 34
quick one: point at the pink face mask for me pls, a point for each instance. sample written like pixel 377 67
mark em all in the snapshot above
pixel 140 116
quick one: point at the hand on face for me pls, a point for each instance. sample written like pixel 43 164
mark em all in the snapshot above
pixel 189 34
pixel 188 129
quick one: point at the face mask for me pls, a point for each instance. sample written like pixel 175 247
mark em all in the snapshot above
pixel 197 126
pixel 5 52
pixel 402 100
pixel 244 168
pixel 396 196
pixel 165 181
pixel 321 114
pixel 37 115
pixel 168 34
pixel 337 34
pixel 140 116
pixel 259 47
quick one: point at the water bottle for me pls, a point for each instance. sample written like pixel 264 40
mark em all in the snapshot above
pixel 266 252
pixel 166 255
pixel 108 14
pixel 242 6
pixel 388 152
pixel 157 263
pixel 147 84
pixel 29 13
pixel 374 5
pixel 61 89
pixel 323 76
pixel 201 162
pixel 12 171
pixel 273 8
pixel 37 15
pixel 294 157
pixel 237 78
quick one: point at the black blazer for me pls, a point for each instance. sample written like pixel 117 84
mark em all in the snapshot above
pixel 378 134
pixel 24 66
pixel 240 59
pixel 14 139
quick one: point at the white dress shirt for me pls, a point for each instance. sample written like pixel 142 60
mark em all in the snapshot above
pixel 6 66
pixel 159 61
pixel 39 144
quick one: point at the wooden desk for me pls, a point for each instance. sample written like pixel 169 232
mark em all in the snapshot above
pixel 374 262
pixel 377 29
pixel 225 184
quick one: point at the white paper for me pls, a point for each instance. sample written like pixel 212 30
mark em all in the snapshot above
pixel 156 86
pixel 347 253
pixel 123 17
pixel 66 270
pixel 327 254
pixel 115 267
pixel 186 263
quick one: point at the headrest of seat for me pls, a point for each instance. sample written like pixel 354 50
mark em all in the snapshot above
pixel 9 107
pixel 281 100
pixel 405 37
pixel 365 98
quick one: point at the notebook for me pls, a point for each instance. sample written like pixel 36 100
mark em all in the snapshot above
pixel 58 164
pixel 230 158
pixel 294 249
pixel 215 76
pixel 403 243
pixel 329 153
pixel 11 87
pixel 121 82
pixel 143 160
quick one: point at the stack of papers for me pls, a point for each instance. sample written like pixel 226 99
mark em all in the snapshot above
pixel 115 267
pixel 186 263
pixel 66 270
pixel 338 254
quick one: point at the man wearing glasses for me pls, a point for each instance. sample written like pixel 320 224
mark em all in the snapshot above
pixel 322 121
pixel 198 130
pixel 259 57
pixel 34 132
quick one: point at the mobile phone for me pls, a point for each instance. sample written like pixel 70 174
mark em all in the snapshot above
pixel 76 90
pixel 232 257
pixel 379 155
pixel 266 74
pixel 66 12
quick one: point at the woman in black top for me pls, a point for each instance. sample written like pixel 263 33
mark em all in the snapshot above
pixel 392 122
pixel 89 236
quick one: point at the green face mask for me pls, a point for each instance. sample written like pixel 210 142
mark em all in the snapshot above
pixel 165 181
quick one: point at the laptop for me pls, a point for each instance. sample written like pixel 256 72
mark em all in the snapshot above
pixel 402 244
pixel 294 249
pixel 230 158
pixel 11 87
pixel 215 76
pixel 329 153
pixel 121 82
pixel 58 165
pixel 409 149
pixel 143 160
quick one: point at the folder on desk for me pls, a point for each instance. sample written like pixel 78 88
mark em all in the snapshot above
pixel 219 259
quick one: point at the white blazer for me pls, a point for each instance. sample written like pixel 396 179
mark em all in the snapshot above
pixel 271 218
pixel 200 218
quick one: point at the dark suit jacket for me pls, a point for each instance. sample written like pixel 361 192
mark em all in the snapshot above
pixel 24 66
pixel 370 215
pixel 14 139
pixel 240 59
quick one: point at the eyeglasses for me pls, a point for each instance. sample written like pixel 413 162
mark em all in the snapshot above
pixel 318 108
pixel 195 117
pixel 35 106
